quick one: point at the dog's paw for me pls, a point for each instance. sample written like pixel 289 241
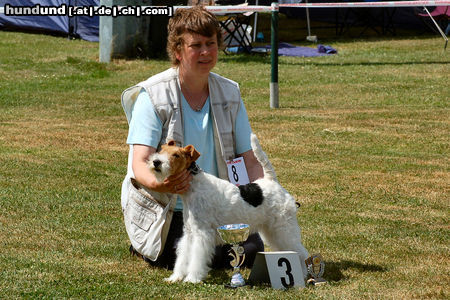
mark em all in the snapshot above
pixel 174 278
pixel 192 279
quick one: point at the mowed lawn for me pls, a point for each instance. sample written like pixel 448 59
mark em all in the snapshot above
pixel 361 139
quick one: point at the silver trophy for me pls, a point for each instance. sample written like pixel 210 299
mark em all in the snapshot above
pixel 316 268
pixel 234 234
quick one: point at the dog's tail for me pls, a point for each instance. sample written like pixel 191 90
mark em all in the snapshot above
pixel 269 172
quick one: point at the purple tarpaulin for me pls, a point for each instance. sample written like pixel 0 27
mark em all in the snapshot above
pixel 285 49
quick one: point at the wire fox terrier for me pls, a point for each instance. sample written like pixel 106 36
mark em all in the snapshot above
pixel 211 202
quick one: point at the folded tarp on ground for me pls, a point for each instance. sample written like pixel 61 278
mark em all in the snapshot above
pixel 285 49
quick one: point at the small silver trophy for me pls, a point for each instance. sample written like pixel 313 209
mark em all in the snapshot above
pixel 316 268
pixel 234 234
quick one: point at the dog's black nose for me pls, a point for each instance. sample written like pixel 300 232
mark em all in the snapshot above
pixel 156 163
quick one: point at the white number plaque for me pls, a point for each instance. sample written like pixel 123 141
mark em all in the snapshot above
pixel 282 269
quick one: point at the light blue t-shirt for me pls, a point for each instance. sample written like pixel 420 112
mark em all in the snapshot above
pixel 146 129
pixel 198 131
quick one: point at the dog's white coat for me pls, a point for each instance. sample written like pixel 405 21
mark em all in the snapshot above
pixel 212 202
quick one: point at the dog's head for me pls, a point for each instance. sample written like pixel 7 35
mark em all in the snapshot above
pixel 172 160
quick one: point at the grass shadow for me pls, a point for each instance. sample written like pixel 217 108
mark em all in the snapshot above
pixel 245 58
pixel 365 63
pixel 317 61
pixel 218 276
pixel 333 270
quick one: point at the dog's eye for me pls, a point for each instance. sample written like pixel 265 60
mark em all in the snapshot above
pixel 176 156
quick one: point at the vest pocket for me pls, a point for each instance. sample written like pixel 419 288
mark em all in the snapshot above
pixel 141 216
pixel 142 212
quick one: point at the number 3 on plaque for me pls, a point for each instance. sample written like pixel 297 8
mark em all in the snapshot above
pixel 283 261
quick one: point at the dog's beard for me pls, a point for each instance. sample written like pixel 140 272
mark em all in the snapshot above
pixel 162 170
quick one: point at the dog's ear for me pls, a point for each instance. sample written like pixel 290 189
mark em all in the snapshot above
pixel 192 152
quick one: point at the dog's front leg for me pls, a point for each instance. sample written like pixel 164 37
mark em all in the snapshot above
pixel 202 252
pixel 182 261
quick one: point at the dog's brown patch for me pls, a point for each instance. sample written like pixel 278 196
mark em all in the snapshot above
pixel 180 158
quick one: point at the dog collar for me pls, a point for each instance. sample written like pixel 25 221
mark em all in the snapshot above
pixel 194 168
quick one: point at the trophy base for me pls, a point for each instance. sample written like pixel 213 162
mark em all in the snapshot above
pixel 229 286
pixel 236 281
pixel 316 281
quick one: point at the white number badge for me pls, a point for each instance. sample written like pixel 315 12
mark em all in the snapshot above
pixel 237 173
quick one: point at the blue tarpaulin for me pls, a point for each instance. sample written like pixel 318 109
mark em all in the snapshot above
pixel 84 27
pixel 285 49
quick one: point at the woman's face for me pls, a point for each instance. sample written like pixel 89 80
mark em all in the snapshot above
pixel 198 54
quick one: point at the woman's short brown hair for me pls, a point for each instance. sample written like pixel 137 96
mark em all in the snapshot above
pixel 193 20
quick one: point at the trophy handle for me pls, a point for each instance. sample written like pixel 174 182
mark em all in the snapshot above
pixel 234 263
pixel 242 260
pixel 238 256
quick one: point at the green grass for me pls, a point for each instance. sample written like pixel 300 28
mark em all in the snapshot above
pixel 361 139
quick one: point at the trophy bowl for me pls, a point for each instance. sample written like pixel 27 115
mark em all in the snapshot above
pixel 234 234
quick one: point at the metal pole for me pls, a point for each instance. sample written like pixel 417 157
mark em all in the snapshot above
pixel 307 20
pixel 274 57
pixel 438 28
pixel 255 23
pixel 309 37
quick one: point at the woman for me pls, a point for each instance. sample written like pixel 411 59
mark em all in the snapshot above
pixel 192 105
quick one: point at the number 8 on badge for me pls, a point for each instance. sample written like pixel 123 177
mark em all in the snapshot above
pixel 237 173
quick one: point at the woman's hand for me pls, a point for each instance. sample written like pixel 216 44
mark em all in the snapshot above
pixel 178 184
